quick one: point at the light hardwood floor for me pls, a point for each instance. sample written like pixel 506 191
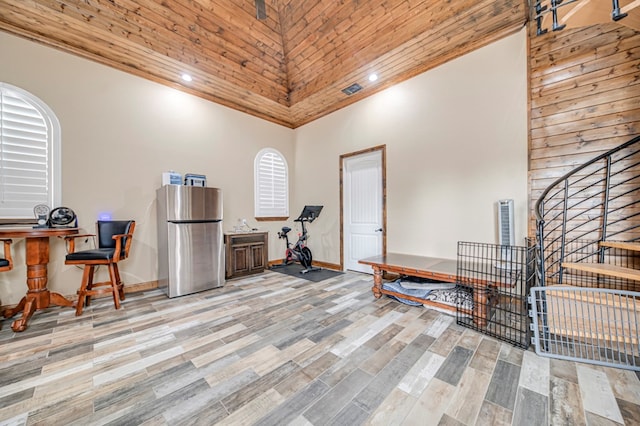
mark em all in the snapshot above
pixel 276 350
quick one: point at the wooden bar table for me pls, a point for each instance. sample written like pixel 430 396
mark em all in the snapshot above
pixel 37 257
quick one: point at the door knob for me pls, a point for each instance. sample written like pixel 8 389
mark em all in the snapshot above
pixel 379 230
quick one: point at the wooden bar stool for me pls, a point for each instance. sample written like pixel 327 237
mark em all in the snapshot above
pixel 6 262
pixel 114 241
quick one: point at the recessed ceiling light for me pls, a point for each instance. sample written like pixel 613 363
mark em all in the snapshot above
pixel 186 77
pixel 373 77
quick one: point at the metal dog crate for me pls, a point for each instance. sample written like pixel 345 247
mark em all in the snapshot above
pixel 593 325
pixel 499 278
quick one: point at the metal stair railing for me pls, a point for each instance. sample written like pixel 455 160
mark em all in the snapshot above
pixel 578 311
pixel 597 201
pixel 544 7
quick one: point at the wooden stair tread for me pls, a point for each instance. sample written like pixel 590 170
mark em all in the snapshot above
pixel 582 334
pixel 604 269
pixel 584 314
pixel 600 298
pixel 625 245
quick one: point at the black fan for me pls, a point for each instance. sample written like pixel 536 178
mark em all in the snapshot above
pixel 61 217
pixel 261 9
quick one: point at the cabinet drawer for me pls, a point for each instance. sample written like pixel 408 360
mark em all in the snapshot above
pixel 246 239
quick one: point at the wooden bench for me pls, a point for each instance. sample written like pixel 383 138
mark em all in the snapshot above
pixel 435 268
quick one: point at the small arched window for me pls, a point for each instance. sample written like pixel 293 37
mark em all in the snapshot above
pixel 29 154
pixel 271 185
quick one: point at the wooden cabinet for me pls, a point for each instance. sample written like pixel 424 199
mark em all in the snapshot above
pixel 245 253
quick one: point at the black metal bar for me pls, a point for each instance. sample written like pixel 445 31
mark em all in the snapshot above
pixel 539 10
pixel 563 235
pixel 261 10
pixel 554 13
pixel 605 209
pixel 541 241
pixel 615 13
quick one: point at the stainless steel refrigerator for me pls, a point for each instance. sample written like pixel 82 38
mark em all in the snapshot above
pixel 190 244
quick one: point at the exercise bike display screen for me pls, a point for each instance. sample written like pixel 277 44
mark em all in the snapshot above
pixel 309 214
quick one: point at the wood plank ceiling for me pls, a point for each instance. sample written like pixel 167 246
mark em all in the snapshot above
pixel 289 68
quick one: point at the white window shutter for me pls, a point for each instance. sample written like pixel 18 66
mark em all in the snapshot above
pixel 271 184
pixel 26 135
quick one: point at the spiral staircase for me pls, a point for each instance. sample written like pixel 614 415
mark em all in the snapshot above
pixel 586 305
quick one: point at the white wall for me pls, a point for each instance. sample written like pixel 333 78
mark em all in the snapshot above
pixel 456 140
pixel 119 133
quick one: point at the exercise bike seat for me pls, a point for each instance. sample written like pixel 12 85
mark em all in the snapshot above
pixel 285 231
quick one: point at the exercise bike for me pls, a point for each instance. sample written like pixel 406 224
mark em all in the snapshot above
pixel 299 252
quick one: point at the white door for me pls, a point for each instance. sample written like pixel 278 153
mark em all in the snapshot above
pixel 363 205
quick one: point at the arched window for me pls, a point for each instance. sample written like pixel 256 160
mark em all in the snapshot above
pixel 271 186
pixel 29 154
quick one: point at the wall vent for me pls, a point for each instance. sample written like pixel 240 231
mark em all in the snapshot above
pixel 355 87
pixel 506 234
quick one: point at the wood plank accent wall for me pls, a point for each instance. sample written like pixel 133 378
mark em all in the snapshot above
pixel 585 99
